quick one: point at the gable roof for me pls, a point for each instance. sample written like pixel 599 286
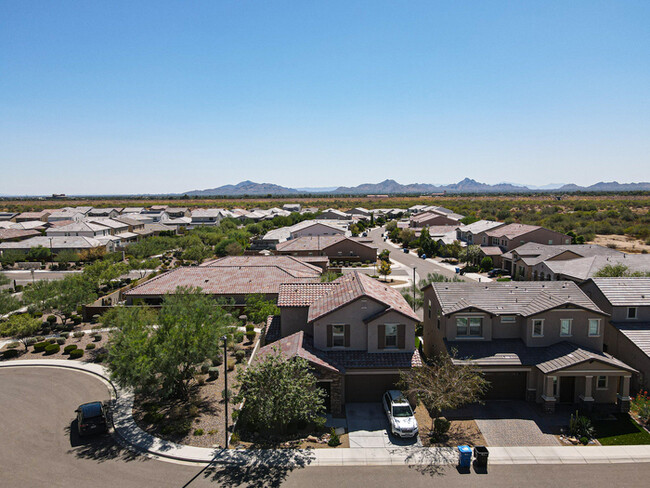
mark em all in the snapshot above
pixel 356 285
pixel 512 231
pixel 511 298
pixel 584 268
pixel 638 334
pixel 316 243
pixel 295 266
pixel 482 226
pixel 625 292
pixel 303 294
pixel 295 346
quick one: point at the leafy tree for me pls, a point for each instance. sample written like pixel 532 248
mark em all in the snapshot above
pixel 21 327
pixel 40 294
pixel 452 250
pixel 470 254
pixel 163 360
pixel 407 293
pixel 8 303
pixel 384 268
pixel 407 237
pixel 4 280
pixel 486 263
pixel 384 255
pixel 196 253
pixel 617 271
pixel 279 391
pixel 329 276
pixel 444 385
pixel 9 257
pixel 101 273
pixel 72 291
pixel 258 308
pixel 39 253
pixel 67 256
pixel 234 249
pixel 142 265
pixel 427 245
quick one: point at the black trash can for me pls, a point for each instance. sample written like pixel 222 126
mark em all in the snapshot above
pixel 481 454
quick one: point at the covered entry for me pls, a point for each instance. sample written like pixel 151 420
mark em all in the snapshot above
pixel 368 387
pixel 506 385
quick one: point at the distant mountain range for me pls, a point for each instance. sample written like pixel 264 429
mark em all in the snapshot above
pixel 391 187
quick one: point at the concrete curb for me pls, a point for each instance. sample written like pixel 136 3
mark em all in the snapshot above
pixel 129 432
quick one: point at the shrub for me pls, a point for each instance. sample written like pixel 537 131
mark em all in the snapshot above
pixel 51 319
pixel 153 417
pixel 231 365
pixel 234 438
pixel 250 335
pixel 69 348
pixel 40 338
pixel 13 345
pixel 10 353
pixel 90 346
pixel 250 327
pixel 51 340
pixel 100 357
pixel 31 341
pixel 52 349
pixel 238 336
pixel 580 426
pixel 205 367
pixel 223 394
pixel 65 335
pixel 334 439
pixel 584 440
pixel 441 426
pixel 76 320
pixel 76 354
pixel 319 423
pixel 60 341
pixel 97 337
pixel 217 360
pixel 234 415
pixel 198 432
pixel 40 346
pixel 239 356
pixel 238 347
pixel 213 373
pixel 78 334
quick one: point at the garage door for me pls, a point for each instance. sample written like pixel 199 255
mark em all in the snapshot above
pixel 506 386
pixel 368 388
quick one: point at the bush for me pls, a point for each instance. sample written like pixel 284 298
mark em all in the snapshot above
pixel 234 438
pixel 584 440
pixel 239 356
pixel 13 345
pixel 205 367
pixel 51 340
pixel 334 439
pixel 78 334
pixel 217 360
pixel 76 320
pixel 250 335
pixel 100 357
pixel 65 335
pixel 51 319
pixel 238 336
pixel 40 346
pixel 60 341
pixel 52 349
pixel 213 373
pixel 223 394
pixel 198 432
pixel 76 354
pixel 231 365
pixel 31 341
pixel 97 337
pixel 238 347
pixel 319 424
pixel 250 327
pixel 90 346
pixel 441 426
pixel 40 338
pixel 10 353
pixel 580 426
pixel 234 415
pixel 69 348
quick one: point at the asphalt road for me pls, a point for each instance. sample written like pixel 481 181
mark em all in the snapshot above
pixel 39 449
pixel 410 259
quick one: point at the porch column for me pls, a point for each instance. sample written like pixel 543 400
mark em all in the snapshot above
pixel 587 400
pixel 623 397
pixel 548 397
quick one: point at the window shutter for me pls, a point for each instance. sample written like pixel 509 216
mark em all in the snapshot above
pixel 347 335
pixel 401 336
pixel 329 335
pixel 381 336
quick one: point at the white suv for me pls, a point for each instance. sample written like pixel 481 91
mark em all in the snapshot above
pixel 400 416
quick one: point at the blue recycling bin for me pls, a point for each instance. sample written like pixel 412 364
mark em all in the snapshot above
pixel 464 456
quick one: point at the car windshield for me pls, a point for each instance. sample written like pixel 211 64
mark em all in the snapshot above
pixel 91 410
pixel 402 411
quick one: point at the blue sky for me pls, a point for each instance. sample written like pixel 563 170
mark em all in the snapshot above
pixel 144 97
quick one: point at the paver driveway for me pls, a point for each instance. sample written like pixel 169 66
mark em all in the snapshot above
pixel 368 427
pixel 514 423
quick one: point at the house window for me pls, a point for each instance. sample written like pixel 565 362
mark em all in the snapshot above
pixel 565 327
pixel 469 327
pixel 550 242
pixel 338 335
pixel 391 335
pixel 538 328
pixel 631 312
pixel 601 383
pixel 508 319
pixel 594 327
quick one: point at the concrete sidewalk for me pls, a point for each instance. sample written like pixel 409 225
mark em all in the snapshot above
pixel 128 432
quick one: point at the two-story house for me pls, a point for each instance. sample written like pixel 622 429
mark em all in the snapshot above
pixel 356 332
pixel 542 342
pixel 510 236
pixel 627 333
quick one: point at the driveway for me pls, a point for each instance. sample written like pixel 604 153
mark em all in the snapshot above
pixel 514 423
pixel 368 427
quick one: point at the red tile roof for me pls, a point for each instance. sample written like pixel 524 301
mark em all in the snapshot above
pixel 303 294
pixel 9 234
pixel 295 266
pixel 293 346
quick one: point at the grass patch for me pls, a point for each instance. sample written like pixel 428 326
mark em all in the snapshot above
pixel 623 431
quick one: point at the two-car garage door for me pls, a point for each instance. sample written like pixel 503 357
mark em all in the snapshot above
pixel 506 386
pixel 368 387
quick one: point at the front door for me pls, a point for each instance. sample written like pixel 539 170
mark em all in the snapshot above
pixel 567 389
pixel 326 386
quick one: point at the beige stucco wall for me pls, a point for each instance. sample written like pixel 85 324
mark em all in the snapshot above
pixel 391 318
pixel 353 314
pixel 579 328
pixel 294 319
pixel 351 248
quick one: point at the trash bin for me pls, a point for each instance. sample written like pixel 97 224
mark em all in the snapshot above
pixel 457 270
pixel 464 456
pixel 481 454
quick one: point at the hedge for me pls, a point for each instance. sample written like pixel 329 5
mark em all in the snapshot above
pixel 40 346
pixel 70 347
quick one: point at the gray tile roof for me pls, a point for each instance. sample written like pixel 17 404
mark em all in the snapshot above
pixel 292 264
pixel 582 269
pixel 511 298
pixel 482 226
pixel 512 231
pixel 315 243
pixel 625 292
pixel 639 334
pixel 513 352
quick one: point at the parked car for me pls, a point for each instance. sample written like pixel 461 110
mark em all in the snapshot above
pixel 400 415
pixel 91 418
pixel 497 272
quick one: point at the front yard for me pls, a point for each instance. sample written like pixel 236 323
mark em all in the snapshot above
pixel 623 430
pixel 460 432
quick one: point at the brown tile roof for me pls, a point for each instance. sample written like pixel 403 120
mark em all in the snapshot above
pixel 295 266
pixel 356 285
pixel 511 298
pixel 638 334
pixel 10 234
pixel 492 251
pixel 513 352
pixel 315 243
pixel 511 231
pixel 224 280
pixel 293 346
pixel 303 294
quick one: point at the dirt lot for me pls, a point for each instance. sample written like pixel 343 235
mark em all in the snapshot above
pixel 622 243
pixel 460 432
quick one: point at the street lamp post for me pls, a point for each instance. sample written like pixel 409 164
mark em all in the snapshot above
pixel 414 268
pixel 225 380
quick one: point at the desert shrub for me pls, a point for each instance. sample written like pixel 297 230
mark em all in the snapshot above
pixel 198 432
pixel 319 424
pixel 51 320
pixel 334 439
pixel 90 346
pixel 234 438
pixel 231 365
pixel 205 367
pixel 31 341
pixel 40 338
pixel 65 335
pixel 250 335
pixel 217 360
pixel 97 337
pixel 78 334
pixel 10 353
pixel 223 394
pixel 69 348
pixel 52 349
pixel 13 345
pixel 213 373
pixel 250 327
pixel 584 440
pixel 441 426
pixel 76 354
pixel 40 346
pixel 238 347
pixel 60 341
pixel 240 355
pixel 238 336
pixel 51 340
pixel 580 426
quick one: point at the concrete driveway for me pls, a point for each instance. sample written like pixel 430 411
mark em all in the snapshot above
pixel 368 427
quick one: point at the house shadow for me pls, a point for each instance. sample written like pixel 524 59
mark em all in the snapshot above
pixel 264 468
pixel 99 447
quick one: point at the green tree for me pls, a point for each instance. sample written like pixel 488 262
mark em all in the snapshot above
pixel 21 327
pixel 8 303
pixel 39 253
pixel 258 308
pixel 407 293
pixel 234 249
pixel 279 391
pixel 384 268
pixel 67 256
pixel 40 294
pixel 143 265
pixel 407 237
pixel 486 263
pixel 72 291
pixel 164 359
pixel 329 276
pixel 444 384
pixel 470 254
pixel 618 271
pixel 452 250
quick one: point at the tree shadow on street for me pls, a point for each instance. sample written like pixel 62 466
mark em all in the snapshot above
pixel 428 461
pixel 101 447
pixel 259 468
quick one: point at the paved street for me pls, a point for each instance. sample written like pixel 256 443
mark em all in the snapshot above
pixel 38 449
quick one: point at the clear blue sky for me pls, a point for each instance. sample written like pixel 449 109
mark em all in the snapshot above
pixel 128 97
